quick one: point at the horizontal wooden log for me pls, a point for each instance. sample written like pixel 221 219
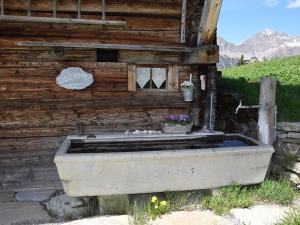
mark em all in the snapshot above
pixel 35 19
pixel 166 7
pixel 19 178
pixel 47 55
pixel 106 46
pixel 150 57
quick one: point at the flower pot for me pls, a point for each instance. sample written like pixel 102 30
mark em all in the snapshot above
pixel 188 94
pixel 176 128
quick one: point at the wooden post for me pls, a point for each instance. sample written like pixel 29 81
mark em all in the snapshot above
pixel 183 20
pixel 2 7
pixel 78 9
pixel 267 111
pixel 103 10
pixel 29 8
pixel 195 106
pixel 54 8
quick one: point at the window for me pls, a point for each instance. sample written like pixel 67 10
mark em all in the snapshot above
pixel 152 78
pixel 148 78
pixel 107 55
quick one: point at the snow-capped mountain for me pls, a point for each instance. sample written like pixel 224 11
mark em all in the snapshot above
pixel 268 44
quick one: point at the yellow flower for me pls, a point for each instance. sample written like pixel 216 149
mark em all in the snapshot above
pixel 156 206
pixel 163 203
pixel 154 199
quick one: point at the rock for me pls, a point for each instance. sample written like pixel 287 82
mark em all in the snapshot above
pixel 259 215
pixel 294 135
pixel 64 206
pixel 294 166
pixel 293 177
pixel 289 140
pixel 22 213
pixel 191 218
pixel 34 196
pixel 289 126
pixel 288 148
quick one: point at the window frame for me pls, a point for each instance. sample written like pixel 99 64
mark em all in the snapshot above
pixel 172 78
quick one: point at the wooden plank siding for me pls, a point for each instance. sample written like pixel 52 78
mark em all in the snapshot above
pixel 36 114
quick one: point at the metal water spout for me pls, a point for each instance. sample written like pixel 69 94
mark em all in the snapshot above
pixel 241 106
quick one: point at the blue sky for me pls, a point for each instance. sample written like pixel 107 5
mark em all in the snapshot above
pixel 240 19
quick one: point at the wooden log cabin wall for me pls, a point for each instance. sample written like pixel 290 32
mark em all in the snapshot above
pixel 36 114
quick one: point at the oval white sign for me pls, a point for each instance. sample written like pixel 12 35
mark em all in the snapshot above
pixel 74 78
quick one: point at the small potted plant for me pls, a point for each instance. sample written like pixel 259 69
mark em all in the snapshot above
pixel 177 124
pixel 187 88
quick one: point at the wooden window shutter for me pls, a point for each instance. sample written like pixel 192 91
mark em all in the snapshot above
pixel 131 77
pixel 173 77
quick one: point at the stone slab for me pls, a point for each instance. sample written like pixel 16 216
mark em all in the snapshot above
pixel 7 196
pixel 18 212
pixel 192 218
pixel 105 220
pixel 289 126
pixel 259 215
pixel 34 195
pixel 289 140
pixel 288 148
pixel 281 134
pixel 294 135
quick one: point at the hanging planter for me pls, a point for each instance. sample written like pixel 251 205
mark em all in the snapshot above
pixel 177 124
pixel 187 88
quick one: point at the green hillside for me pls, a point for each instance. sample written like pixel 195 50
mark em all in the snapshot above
pixel 245 80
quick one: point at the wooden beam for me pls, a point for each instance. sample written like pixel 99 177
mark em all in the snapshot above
pixel 61 20
pixel 106 46
pixel 2 7
pixel 183 20
pixel 209 20
pixel 204 54
pixel 150 57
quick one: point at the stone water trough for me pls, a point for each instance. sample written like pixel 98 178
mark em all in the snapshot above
pixel 132 164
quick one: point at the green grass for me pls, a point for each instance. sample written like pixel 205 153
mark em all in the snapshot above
pixel 228 198
pixel 270 191
pixel 292 218
pixel 279 192
pixel 246 81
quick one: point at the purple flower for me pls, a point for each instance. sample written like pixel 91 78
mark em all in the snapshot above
pixel 178 119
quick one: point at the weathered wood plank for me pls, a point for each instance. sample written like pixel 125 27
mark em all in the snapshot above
pixel 209 20
pixel 106 46
pixel 183 20
pixel 153 7
pixel 61 20
pixel 267 111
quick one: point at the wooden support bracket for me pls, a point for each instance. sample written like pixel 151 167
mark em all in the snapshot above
pixel 205 54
